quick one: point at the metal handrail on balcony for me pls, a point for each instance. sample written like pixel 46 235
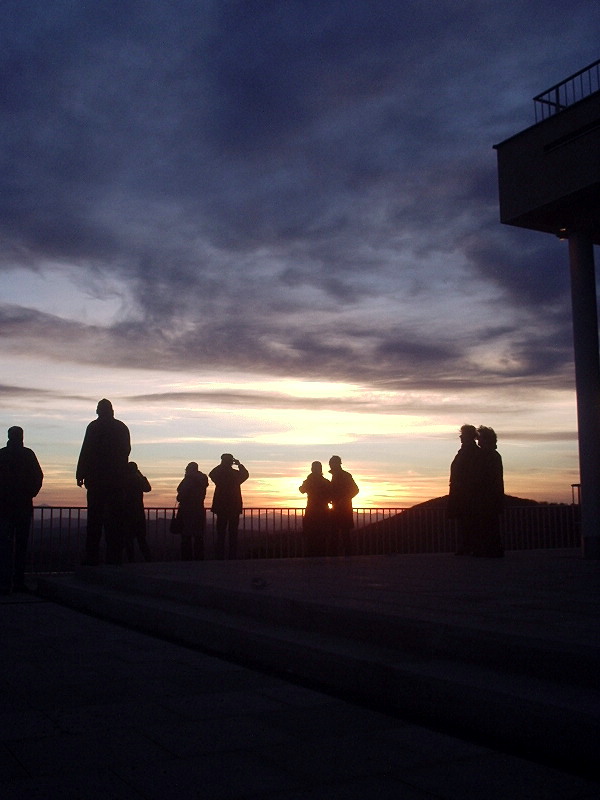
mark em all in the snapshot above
pixel 564 94
pixel 58 534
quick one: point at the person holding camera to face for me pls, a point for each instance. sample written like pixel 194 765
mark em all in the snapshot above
pixel 227 502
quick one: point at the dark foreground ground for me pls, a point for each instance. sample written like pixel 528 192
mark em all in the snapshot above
pixel 405 677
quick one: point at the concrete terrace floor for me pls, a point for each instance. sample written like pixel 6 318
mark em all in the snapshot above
pixel 91 708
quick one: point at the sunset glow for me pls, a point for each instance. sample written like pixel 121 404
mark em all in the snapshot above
pixel 273 230
pixel 397 459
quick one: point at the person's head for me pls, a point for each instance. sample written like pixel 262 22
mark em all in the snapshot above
pixel 316 467
pixel 487 437
pixel 104 408
pixel 227 459
pixel 15 435
pixel 192 468
pixel 468 434
pixel 335 462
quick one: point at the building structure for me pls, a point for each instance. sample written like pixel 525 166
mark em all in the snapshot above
pixel 549 181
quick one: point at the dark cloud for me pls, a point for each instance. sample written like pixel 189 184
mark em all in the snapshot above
pixel 539 436
pixel 396 360
pixel 256 399
pixel 403 403
pixel 253 172
pixel 11 393
pixel 532 269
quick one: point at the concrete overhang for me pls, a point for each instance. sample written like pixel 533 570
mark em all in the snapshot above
pixel 549 174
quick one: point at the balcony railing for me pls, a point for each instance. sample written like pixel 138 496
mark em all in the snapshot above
pixel 58 534
pixel 567 92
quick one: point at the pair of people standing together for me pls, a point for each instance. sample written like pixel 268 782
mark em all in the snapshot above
pixel 226 505
pixel 327 532
pixel 476 496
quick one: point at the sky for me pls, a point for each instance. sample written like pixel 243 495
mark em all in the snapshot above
pixel 271 228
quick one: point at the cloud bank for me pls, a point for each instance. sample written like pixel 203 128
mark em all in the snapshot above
pixel 297 189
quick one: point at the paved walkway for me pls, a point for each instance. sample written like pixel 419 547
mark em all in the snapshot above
pixel 90 709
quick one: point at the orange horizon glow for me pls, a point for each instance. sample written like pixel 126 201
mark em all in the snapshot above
pixel 283 493
pixel 398 458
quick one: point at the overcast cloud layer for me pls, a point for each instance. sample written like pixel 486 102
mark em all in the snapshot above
pixel 289 189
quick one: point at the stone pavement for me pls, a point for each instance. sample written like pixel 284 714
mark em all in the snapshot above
pixel 92 709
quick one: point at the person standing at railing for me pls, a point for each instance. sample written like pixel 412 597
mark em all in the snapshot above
pixel 316 523
pixel 21 479
pixel 343 489
pixel 191 512
pixel 137 484
pixel 102 469
pixel 463 496
pixel 227 502
pixel 491 495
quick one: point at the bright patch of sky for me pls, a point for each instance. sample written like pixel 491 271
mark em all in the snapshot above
pixel 54 291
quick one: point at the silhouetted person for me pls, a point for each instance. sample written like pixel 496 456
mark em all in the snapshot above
pixel 343 489
pixel 227 501
pixel 190 496
pixel 102 469
pixel 316 523
pixel 491 495
pixel 135 514
pixel 20 480
pixel 463 497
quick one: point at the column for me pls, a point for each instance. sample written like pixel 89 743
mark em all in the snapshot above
pixel 587 381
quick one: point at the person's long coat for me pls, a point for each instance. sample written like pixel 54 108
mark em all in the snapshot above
pixel 137 484
pixel 104 457
pixel 318 496
pixel 21 479
pixel 491 483
pixel 465 480
pixel 227 499
pixel 343 489
pixel 190 496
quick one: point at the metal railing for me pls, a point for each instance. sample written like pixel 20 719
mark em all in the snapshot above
pixel 58 534
pixel 573 89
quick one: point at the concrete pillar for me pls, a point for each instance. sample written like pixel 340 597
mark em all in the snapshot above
pixel 587 381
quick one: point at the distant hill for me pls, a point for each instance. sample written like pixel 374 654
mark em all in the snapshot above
pixel 424 527
pixel 509 500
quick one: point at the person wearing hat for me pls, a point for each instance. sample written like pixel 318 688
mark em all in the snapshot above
pixel 21 479
pixel 103 469
pixel 227 502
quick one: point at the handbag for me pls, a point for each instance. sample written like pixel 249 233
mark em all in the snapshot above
pixel 176 524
